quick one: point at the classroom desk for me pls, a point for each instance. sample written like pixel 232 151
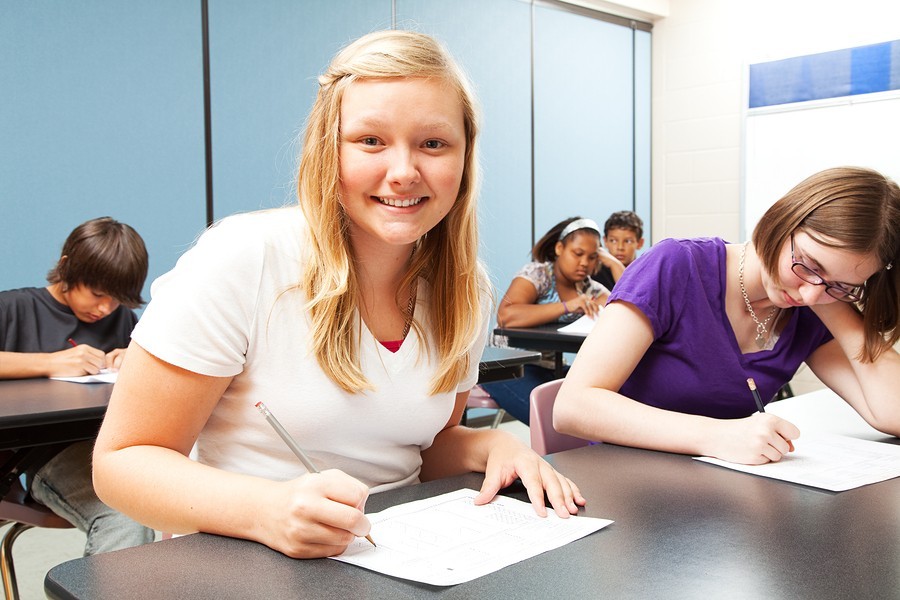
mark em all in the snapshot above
pixel 498 364
pixel 683 529
pixel 38 412
pixel 543 338
pixel 35 412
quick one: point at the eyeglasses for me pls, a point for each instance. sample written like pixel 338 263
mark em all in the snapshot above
pixel 838 291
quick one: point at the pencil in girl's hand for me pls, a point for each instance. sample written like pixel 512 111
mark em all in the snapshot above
pixel 298 452
pixel 759 405
pixel 756 398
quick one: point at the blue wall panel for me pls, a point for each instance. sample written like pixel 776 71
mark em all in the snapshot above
pixel 472 31
pixel 583 117
pixel 102 114
pixel 264 61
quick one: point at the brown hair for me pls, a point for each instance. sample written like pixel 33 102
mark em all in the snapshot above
pixel 446 257
pixel 106 256
pixel 851 208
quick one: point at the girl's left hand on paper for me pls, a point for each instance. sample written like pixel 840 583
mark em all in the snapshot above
pixel 317 515
pixel 510 459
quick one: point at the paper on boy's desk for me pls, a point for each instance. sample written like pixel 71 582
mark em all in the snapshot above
pixel 104 376
pixel 582 326
pixel 447 540
pixel 828 461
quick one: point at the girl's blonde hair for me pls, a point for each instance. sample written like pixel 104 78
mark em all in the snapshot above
pixel 446 257
pixel 855 209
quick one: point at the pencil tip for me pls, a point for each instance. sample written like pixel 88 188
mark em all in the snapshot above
pixel 751 383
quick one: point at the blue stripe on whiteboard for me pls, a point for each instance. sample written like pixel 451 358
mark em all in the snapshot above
pixel 862 70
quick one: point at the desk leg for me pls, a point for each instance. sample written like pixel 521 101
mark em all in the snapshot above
pixel 558 367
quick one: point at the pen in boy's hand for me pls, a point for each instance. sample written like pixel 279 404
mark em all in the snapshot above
pixel 284 435
pixel 72 342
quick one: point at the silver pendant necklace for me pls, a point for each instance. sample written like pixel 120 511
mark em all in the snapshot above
pixel 761 331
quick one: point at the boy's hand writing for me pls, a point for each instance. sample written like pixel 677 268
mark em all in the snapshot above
pixel 73 362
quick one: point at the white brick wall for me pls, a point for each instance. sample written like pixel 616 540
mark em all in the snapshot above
pixel 700 52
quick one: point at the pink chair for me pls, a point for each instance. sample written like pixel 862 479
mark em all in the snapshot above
pixel 544 439
pixel 23 512
pixel 478 398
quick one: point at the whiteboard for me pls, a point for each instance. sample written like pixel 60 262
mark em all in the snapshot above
pixel 785 144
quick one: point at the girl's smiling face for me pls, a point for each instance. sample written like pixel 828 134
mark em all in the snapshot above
pixel 402 154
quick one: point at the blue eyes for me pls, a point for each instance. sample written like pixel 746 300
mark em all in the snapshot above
pixel 372 141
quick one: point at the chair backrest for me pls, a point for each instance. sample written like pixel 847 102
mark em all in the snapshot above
pixel 545 439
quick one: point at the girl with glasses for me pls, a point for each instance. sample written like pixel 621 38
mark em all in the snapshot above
pixel 694 319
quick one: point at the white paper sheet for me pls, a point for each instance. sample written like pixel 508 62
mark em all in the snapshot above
pixel 828 461
pixel 582 326
pixel 448 540
pixel 104 376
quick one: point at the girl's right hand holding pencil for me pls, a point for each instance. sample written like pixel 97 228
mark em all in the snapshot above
pixel 317 515
pixel 753 440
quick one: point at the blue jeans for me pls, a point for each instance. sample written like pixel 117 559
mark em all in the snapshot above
pixel 65 486
pixel 514 395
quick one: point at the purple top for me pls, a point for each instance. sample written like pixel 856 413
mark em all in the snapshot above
pixel 694 364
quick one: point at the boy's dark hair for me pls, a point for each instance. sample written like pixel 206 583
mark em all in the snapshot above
pixel 624 219
pixel 106 256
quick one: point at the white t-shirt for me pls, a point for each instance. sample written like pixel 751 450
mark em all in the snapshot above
pixel 230 308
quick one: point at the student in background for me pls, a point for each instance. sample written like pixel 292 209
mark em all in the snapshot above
pixel 694 319
pixel 357 317
pixel 623 236
pixel 79 324
pixel 555 287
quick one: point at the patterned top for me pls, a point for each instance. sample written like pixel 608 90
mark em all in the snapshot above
pixel 541 276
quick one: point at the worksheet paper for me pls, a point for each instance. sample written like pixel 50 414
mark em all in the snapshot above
pixel 448 540
pixel 582 326
pixel 104 376
pixel 828 461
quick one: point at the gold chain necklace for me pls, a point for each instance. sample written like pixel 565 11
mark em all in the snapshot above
pixel 761 331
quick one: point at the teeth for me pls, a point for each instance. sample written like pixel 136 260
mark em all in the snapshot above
pixel 401 203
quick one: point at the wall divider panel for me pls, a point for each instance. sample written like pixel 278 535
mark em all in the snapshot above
pixel 584 118
pixel 264 61
pixel 102 114
pixel 501 30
